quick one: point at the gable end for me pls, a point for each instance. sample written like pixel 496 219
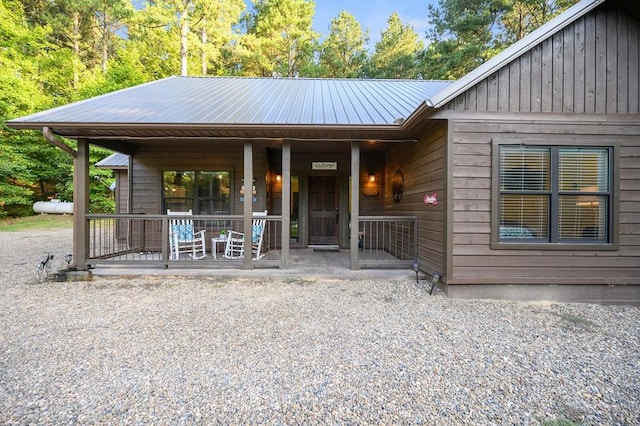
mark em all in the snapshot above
pixel 590 66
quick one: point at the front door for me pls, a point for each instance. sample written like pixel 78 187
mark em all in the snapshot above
pixel 323 210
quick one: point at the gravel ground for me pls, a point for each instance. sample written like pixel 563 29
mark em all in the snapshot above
pixel 170 350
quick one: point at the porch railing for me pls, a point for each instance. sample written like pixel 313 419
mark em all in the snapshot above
pixel 143 240
pixel 121 239
pixel 387 241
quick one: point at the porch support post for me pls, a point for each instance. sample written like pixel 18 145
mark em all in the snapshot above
pixel 248 204
pixel 355 203
pixel 81 205
pixel 286 203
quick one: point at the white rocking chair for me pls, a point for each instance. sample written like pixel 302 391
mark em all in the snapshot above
pixel 234 249
pixel 182 238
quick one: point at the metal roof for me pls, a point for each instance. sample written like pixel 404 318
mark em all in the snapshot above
pixel 114 161
pixel 200 102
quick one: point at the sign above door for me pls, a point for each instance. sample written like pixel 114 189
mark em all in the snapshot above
pixel 324 165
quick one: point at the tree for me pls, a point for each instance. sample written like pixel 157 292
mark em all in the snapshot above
pixel 467 33
pixel 173 16
pixel 20 46
pixel 110 19
pixel 279 38
pixel 216 35
pixel 524 16
pixel 189 34
pixel 151 40
pixel 343 53
pixel 34 77
pixel 397 54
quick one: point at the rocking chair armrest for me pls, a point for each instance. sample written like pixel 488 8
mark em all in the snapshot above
pixel 234 234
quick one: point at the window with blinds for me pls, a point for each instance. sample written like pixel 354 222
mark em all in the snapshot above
pixel 554 194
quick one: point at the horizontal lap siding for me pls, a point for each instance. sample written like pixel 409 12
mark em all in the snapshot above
pixel 590 66
pixel 151 160
pixel 122 194
pixel 473 259
pixel 424 168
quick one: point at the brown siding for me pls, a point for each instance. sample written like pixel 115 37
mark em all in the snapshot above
pixel 424 167
pixel 151 160
pixel 301 165
pixel 122 191
pixel 474 260
pixel 591 66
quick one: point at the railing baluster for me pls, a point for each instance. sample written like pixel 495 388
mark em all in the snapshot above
pixel 134 239
pixel 388 240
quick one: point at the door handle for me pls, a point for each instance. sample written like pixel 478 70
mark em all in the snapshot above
pixel 337 215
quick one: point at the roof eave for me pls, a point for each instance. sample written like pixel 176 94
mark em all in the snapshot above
pixel 125 131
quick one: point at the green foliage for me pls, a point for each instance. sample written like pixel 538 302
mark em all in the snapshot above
pixel 397 53
pixel 467 33
pixel 343 53
pixel 216 38
pixel 279 39
pixel 100 194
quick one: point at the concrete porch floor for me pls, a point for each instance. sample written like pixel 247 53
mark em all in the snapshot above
pixel 303 263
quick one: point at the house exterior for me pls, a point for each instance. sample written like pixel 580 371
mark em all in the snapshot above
pixel 520 180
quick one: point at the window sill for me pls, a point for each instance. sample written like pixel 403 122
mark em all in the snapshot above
pixel 520 245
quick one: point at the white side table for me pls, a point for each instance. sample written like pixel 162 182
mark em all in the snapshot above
pixel 214 245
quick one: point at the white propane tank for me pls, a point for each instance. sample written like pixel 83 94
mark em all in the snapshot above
pixel 53 207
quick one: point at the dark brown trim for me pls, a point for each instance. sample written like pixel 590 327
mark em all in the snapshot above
pixel 613 213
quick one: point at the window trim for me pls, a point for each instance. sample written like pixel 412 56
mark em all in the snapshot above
pixel 520 244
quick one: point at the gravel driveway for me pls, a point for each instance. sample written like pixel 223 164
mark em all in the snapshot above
pixel 167 350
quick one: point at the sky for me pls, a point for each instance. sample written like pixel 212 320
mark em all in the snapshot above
pixel 373 15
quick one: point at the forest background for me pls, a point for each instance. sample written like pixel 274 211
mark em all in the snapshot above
pixel 53 52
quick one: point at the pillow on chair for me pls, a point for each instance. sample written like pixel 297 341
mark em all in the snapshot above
pixel 183 232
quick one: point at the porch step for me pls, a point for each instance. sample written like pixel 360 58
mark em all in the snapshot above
pixel 325 247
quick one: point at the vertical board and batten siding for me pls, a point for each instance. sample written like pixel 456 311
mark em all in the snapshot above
pixel 423 165
pixel 591 66
pixel 151 160
pixel 580 84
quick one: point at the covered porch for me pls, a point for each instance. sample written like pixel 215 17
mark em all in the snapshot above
pixel 323 158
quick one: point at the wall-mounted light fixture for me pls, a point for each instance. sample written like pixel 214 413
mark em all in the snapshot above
pixel 279 178
pixel 370 186
pixel 397 185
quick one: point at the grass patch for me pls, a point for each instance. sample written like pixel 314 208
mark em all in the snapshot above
pixel 559 422
pixel 577 321
pixel 298 281
pixel 37 222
